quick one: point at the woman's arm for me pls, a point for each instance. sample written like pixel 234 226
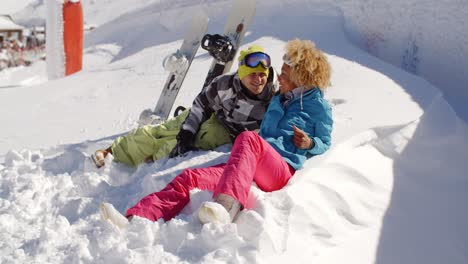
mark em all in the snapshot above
pixel 321 139
pixel 301 139
pixel 318 140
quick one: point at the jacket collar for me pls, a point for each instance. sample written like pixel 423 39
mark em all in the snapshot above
pixel 297 93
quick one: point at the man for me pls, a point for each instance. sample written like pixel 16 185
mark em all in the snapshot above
pixel 230 104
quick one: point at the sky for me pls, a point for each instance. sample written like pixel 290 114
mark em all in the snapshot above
pixel 390 190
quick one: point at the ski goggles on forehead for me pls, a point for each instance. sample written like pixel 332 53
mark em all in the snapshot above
pixel 287 60
pixel 252 60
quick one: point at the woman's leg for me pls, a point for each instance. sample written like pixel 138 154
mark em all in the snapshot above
pixel 168 202
pixel 253 159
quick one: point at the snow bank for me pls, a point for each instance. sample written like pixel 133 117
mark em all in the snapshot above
pixel 428 39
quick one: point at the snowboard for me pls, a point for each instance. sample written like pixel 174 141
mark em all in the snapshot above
pixel 178 64
pixel 224 48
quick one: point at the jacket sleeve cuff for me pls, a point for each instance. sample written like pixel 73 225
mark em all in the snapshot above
pixel 319 147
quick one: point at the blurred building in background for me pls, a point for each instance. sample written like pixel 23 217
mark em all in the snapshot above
pixel 20 45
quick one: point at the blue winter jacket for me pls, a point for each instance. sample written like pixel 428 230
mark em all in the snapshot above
pixel 313 115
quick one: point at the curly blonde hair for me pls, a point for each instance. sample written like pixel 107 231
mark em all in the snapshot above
pixel 309 65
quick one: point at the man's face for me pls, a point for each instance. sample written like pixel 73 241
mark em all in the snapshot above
pixel 255 82
pixel 286 84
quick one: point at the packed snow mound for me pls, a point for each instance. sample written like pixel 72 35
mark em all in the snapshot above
pixel 364 185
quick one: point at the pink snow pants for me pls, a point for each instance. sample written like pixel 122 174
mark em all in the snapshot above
pixel 252 160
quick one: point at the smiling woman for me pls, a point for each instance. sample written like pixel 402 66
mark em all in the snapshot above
pixel 304 65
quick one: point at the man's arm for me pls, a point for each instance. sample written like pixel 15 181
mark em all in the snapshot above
pixel 202 109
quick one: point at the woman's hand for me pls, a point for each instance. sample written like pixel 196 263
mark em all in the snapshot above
pixel 301 140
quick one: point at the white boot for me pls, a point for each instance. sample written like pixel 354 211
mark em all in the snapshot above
pixel 223 210
pixel 211 212
pixel 108 212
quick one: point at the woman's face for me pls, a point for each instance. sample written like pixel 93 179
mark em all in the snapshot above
pixel 286 84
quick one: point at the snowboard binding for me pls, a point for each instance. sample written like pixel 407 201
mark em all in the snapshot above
pixel 176 63
pixel 219 46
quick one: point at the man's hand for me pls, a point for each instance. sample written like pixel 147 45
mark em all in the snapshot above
pixel 149 159
pixel 184 144
pixel 301 140
pixel 180 149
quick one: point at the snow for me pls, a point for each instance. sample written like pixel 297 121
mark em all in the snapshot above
pixel 429 40
pixel 55 44
pixel 12 6
pixel 391 189
pixel 7 24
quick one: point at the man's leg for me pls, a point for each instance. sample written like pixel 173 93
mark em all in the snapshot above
pixel 156 141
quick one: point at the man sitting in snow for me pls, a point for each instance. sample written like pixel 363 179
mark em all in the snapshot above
pixel 229 105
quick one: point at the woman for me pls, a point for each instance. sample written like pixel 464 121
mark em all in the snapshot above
pixel 297 126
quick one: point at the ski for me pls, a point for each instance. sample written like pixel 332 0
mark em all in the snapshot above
pixel 178 65
pixel 224 47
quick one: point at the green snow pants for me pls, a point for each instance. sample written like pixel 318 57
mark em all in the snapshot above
pixel 158 141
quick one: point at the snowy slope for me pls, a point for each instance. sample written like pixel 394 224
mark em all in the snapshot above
pixel 394 178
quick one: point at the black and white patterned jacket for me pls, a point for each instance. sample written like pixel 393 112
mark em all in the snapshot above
pixel 233 105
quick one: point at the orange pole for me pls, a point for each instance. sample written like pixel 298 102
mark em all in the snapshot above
pixel 73 36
